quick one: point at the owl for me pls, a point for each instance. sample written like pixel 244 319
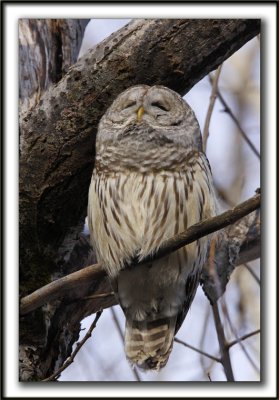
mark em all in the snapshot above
pixel 150 181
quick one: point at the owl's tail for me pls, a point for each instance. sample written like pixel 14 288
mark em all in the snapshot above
pixel 148 344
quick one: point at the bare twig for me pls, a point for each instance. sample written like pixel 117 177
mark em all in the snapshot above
pixel 58 288
pixel 228 110
pixel 213 97
pixel 225 356
pixel 204 330
pixel 209 377
pixel 247 266
pixel 97 296
pixel 226 313
pixel 118 327
pixel 198 350
pixel 70 359
pixel 241 338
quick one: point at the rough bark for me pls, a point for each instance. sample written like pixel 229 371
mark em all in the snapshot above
pixel 57 151
pixel 238 244
pixel 47 49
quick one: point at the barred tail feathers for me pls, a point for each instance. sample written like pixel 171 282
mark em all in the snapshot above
pixel 149 344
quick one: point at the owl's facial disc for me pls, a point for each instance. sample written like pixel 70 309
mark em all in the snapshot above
pixel 148 112
pixel 163 108
pixel 125 108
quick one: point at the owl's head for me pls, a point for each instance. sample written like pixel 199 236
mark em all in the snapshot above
pixel 144 112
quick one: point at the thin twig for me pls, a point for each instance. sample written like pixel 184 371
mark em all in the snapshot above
pixel 226 313
pixel 79 345
pixel 228 110
pixel 213 96
pixel 97 296
pixel 247 266
pixel 241 338
pixel 225 356
pixel 118 327
pixel 60 287
pixel 198 350
pixel 204 330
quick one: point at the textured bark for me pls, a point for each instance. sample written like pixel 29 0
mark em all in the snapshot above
pixel 47 49
pixel 238 244
pixel 57 151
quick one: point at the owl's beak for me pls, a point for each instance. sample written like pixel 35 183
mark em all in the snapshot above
pixel 140 113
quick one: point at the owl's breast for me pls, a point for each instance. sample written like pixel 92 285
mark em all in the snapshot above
pixel 116 218
pixel 131 213
pixel 143 157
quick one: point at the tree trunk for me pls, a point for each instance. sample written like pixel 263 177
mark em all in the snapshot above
pixel 57 133
pixel 47 49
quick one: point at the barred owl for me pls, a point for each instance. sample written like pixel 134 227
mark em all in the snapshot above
pixel 151 180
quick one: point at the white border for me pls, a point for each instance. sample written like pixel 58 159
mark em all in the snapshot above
pixel 12 13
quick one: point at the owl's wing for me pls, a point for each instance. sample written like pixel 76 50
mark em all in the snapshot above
pixel 191 285
pixel 206 203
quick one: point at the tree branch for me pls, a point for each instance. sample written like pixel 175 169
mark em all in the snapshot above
pixel 238 243
pixel 204 228
pixel 234 331
pixel 213 96
pixel 225 356
pixel 244 337
pixel 203 353
pixel 228 110
pixel 257 279
pixel 58 288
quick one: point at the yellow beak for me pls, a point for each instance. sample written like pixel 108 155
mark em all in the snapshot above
pixel 140 113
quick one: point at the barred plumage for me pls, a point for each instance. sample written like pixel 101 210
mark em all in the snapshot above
pixel 150 182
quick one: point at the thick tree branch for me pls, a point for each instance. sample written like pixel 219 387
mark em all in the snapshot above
pixel 60 287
